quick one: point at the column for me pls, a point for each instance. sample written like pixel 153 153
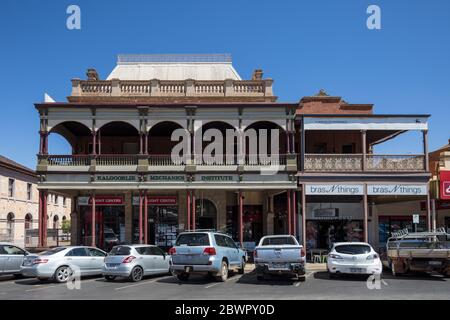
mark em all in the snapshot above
pixel 288 142
pixel 425 150
pixel 99 142
pixel 294 213
pixel 94 146
pixel 93 220
pixel 364 149
pixel 44 218
pixel 304 216
pixel 188 196
pixel 145 218
pixel 241 218
pixel 141 143
pixel 43 143
pixel 289 211
pixel 366 215
pixel 302 146
pixel 146 144
pixel 40 213
pixel 193 211
pixel 140 216
pixel 429 224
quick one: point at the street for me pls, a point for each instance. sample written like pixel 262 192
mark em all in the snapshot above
pixel 316 286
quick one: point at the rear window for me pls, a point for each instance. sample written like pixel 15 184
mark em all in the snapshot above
pixel 120 251
pixel 52 251
pixel 193 239
pixel 353 249
pixel 273 241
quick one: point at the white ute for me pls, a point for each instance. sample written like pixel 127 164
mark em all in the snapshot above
pixel 280 254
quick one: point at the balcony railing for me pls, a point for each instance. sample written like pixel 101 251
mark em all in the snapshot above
pixel 355 163
pixel 333 162
pixel 116 160
pixel 273 160
pixel 395 163
pixel 67 160
pixel 164 160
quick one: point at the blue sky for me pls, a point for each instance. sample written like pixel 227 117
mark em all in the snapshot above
pixel 302 45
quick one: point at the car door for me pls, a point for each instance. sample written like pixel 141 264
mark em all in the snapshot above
pixel 3 257
pixel 160 260
pixel 14 258
pixel 234 251
pixel 147 258
pixel 97 260
pixel 79 257
pixel 222 247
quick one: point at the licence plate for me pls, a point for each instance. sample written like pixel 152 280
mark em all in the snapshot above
pixel 112 265
pixel 435 263
pixel 279 265
pixel 357 270
pixel 188 269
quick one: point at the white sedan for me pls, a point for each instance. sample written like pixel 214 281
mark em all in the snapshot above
pixel 353 258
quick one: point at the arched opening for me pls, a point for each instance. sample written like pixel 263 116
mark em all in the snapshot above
pixel 55 222
pixel 205 214
pixel 118 137
pixel 159 138
pixel 226 151
pixel 70 137
pixel 10 224
pixel 251 146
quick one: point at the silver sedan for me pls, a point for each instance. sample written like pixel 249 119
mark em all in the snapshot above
pixel 11 258
pixel 61 263
pixel 135 262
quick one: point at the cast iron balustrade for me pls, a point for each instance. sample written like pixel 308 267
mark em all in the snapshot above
pixel 116 160
pixel 67 160
pixel 164 160
pixel 333 162
pixel 394 163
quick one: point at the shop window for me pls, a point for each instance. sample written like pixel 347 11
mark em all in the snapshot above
pixel 389 224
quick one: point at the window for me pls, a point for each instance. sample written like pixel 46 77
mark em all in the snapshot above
pixel 56 199
pixel 96 253
pixel 220 240
pixel 29 191
pixel 64 201
pixel 352 249
pixel 230 243
pixel 11 183
pixel 52 251
pixel 77 252
pixel 274 241
pixel 193 239
pixel 120 251
pixel 156 251
pixel 13 250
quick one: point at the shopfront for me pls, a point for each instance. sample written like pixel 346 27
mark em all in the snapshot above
pixel 109 221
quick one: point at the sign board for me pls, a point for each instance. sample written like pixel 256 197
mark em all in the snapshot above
pixel 116 178
pixel 326 213
pixel 101 201
pixel 397 189
pixel 416 218
pixel 216 178
pixel 334 189
pixel 444 185
pixel 166 178
pixel 158 200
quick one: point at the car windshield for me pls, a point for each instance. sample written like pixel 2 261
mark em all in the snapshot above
pixel 52 251
pixel 352 249
pixel 120 251
pixel 278 241
pixel 193 239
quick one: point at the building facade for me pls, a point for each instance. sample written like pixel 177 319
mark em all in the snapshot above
pixel 171 142
pixel 19 205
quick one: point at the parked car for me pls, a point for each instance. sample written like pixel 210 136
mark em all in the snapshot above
pixel 279 254
pixel 353 258
pixel 135 262
pixel 11 258
pixel 206 252
pixel 60 263
pixel 419 252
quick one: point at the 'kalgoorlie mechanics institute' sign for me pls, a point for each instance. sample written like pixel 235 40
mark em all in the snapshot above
pixel 115 178
pixel 166 178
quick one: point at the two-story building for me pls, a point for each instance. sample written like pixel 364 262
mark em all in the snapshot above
pixel 179 142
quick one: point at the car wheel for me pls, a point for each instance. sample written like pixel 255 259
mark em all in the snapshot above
pixel 183 276
pixel 223 272
pixel 63 274
pixel 110 278
pixel 242 268
pixel 136 274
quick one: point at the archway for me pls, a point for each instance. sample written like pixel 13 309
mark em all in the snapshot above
pixel 205 214
pixel 118 137
pixel 70 137
pixel 222 153
pixel 159 138
pixel 10 225
pixel 258 127
pixel 28 225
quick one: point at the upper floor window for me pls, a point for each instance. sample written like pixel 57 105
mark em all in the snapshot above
pixel 64 201
pixel 11 187
pixel 56 199
pixel 29 191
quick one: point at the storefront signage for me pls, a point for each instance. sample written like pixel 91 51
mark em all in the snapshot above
pixel 326 213
pixel 116 178
pixel 397 189
pixel 216 178
pixel 166 178
pixel 444 177
pixel 101 201
pixel 158 200
pixel 334 189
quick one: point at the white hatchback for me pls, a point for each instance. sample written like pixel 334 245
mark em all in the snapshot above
pixel 353 258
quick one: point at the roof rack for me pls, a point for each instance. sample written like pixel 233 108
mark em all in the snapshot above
pixel 405 233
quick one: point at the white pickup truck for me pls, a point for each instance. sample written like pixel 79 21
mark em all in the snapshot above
pixel 279 254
